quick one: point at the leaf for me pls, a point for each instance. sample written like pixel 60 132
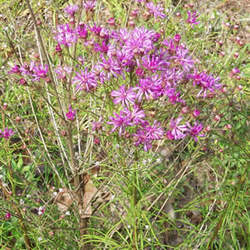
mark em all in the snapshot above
pixel 64 200
pixel 90 191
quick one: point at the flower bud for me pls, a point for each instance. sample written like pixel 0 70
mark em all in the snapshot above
pixel 22 81
pixel 228 126
pixel 5 106
pixel 236 26
pixel 217 118
pixel 96 140
pixel 178 14
pixel 236 55
pixel 111 21
pixel 185 110
pixel 18 119
pixel 131 23
pixel 63 133
pixel 208 128
pixel 196 113
pixel 7 216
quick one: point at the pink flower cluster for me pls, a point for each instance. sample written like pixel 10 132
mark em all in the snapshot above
pixel 139 69
pixel 34 71
pixel 150 68
pixel 6 133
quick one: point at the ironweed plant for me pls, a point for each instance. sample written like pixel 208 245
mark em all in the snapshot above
pixel 109 119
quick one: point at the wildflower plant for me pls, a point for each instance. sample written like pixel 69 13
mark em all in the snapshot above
pixel 118 89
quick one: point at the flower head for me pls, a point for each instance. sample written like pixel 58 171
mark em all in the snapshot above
pixel 7 216
pixel 81 31
pixel 89 4
pixel 124 96
pixel 147 134
pixel 156 10
pixel 121 121
pixel 176 131
pixel 206 82
pixel 195 130
pixel 6 133
pixel 65 35
pixel 192 18
pixel 85 80
pixel 71 114
pixel 71 10
pixel 61 72
pixel 40 71
pixel 15 69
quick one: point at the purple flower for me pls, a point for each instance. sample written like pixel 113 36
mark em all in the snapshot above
pixel 22 81
pixel 172 77
pixel 100 75
pixel 139 72
pixel 25 70
pixel 124 59
pixel 101 47
pixel 7 216
pixel 144 89
pixel 141 138
pixel 206 82
pixel 71 114
pixel 150 87
pixel 39 72
pixel 121 121
pixel 235 71
pixel 147 134
pixel 173 96
pixel 176 131
pixel 154 132
pixel 15 69
pixel 155 62
pixel 171 45
pixel 192 18
pixel 177 38
pixel 81 31
pixel 89 5
pixel 155 10
pixel 111 66
pixel 63 71
pixel 137 115
pixel 96 29
pixel 65 35
pixel 183 58
pixel 122 36
pixel 196 113
pixel 58 48
pixel 7 133
pixel 195 130
pixel 71 10
pixel 124 96
pixel 140 41
pixel 97 125
pixel 85 80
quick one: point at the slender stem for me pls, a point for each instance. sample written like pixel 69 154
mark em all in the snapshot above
pixel 44 54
